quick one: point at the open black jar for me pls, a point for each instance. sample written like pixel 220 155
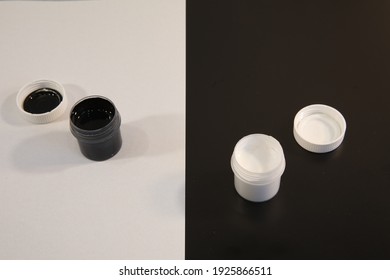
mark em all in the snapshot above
pixel 95 122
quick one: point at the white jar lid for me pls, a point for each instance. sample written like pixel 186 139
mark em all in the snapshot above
pixel 319 128
pixel 42 101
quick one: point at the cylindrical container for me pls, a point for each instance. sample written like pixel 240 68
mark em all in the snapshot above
pixel 95 122
pixel 42 101
pixel 258 163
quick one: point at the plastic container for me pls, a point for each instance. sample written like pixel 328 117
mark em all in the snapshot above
pixel 95 122
pixel 42 101
pixel 319 128
pixel 258 163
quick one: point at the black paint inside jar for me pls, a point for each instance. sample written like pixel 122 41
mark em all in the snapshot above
pixel 42 100
pixel 93 113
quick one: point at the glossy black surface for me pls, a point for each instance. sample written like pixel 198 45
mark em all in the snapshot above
pixel 42 100
pixel 92 113
pixel 95 123
pixel 103 150
pixel 251 66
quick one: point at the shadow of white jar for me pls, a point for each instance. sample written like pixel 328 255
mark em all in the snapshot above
pixel 258 163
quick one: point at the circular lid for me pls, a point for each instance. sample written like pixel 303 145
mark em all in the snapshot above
pixel 319 128
pixel 41 101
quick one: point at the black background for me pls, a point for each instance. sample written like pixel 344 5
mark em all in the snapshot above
pixel 251 66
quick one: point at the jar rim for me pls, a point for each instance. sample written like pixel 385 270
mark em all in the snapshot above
pixel 269 167
pixel 100 133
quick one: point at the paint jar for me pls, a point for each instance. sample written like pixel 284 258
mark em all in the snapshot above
pixel 95 122
pixel 258 163
pixel 41 101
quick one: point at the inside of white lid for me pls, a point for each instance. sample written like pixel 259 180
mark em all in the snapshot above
pixel 319 125
pixel 319 128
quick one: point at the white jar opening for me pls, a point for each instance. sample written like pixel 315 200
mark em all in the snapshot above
pixel 258 158
pixel 257 154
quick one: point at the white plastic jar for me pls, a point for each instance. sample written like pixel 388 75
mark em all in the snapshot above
pixel 258 163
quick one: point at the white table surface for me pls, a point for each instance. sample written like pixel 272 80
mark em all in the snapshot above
pixel 55 203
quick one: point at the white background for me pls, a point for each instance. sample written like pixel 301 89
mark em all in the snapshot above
pixel 55 203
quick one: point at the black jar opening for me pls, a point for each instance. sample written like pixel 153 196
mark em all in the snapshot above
pixel 93 113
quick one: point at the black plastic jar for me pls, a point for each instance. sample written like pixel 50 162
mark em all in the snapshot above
pixel 95 122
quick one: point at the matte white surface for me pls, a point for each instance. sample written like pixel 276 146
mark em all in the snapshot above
pixel 258 163
pixel 257 154
pixel 55 203
pixel 256 193
pixel 319 128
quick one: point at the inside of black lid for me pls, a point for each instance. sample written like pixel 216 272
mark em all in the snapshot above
pixel 42 100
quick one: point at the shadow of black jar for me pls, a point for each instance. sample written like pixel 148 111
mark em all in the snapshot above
pixel 95 122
